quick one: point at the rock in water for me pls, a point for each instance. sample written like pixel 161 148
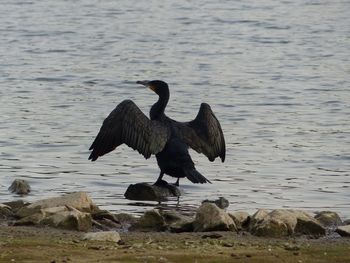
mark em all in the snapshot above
pixel 328 218
pixel 20 187
pixel 210 217
pixel 148 192
pixel 344 231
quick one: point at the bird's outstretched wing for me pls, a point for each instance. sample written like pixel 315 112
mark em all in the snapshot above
pixel 204 134
pixel 128 124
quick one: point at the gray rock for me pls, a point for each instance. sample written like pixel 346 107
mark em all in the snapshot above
pixel 344 231
pixel 346 222
pixel 182 226
pixel 328 218
pixel 258 217
pixel 20 187
pixel 150 221
pixel 5 211
pixel 125 219
pixel 222 202
pixel 59 217
pixel 284 222
pixel 209 217
pixel 105 220
pixel 31 220
pixel 16 205
pixel 240 218
pixel 107 236
pixel 67 218
pixel 148 192
pixel 79 200
pixel 177 222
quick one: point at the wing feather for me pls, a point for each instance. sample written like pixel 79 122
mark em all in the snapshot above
pixel 128 124
pixel 204 134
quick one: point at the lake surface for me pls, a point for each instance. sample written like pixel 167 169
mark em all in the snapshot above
pixel 276 73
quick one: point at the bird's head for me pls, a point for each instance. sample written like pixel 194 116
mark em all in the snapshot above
pixel 158 86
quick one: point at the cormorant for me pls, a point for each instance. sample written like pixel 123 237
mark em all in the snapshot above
pixel 166 138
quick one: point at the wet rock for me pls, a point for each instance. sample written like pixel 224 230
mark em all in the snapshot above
pixel 5 211
pixel 240 218
pixel 148 192
pixel 280 222
pixel 344 231
pixel 79 200
pixel 20 187
pixel 222 202
pixel 209 217
pixel 328 218
pixel 108 236
pixel 150 221
pixel 16 205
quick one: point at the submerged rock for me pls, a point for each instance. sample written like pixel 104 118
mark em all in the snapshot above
pixel 20 187
pixel 328 218
pixel 108 236
pixel 284 222
pixel 344 231
pixel 209 217
pixel 79 200
pixel 148 192
pixel 222 202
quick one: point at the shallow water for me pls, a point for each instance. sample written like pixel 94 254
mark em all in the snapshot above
pixel 276 74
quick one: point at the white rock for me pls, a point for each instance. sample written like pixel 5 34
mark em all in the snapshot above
pixel 109 236
pixel 209 217
pixel 78 200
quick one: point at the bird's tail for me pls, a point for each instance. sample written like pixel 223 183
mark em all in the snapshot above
pixel 195 177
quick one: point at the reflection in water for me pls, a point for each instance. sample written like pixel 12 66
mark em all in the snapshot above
pixel 275 74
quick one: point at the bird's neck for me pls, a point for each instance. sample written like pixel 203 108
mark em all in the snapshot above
pixel 157 110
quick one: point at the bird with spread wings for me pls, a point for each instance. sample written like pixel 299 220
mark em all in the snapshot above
pixel 162 136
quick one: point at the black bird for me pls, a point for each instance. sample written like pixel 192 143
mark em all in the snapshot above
pixel 166 138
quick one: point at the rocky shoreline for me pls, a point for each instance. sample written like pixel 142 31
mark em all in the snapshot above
pixel 73 228
pixel 76 211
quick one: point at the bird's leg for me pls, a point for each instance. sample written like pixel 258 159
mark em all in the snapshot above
pixel 160 181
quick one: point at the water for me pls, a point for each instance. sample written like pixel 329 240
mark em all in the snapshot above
pixel 276 74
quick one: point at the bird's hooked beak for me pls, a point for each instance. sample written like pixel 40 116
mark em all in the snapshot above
pixel 145 83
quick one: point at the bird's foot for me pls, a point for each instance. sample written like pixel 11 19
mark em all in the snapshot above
pixel 161 183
